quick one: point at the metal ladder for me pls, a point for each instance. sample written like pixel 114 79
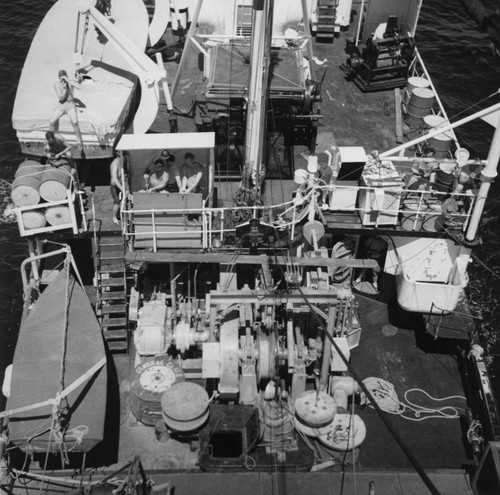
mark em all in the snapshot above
pixel 112 293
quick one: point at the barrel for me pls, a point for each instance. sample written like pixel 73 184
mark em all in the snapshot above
pixel 433 219
pixel 58 215
pixel 185 406
pixel 440 144
pixel 444 178
pixel 412 216
pixel 29 167
pixel 26 185
pixel 33 220
pixel 55 182
pixel 413 83
pixel 420 104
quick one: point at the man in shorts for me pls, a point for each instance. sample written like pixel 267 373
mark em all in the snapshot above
pixel 64 88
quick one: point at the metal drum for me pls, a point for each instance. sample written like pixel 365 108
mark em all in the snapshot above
pixel 25 188
pixel 55 182
pixel 413 83
pixel 412 216
pixel 441 143
pixel 420 104
pixel 58 215
pixel 33 220
pixel 434 219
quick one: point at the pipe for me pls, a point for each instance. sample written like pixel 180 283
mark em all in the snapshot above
pixel 341 388
pixel 488 174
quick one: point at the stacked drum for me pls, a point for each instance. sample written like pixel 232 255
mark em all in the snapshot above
pixel 36 183
pixel 418 101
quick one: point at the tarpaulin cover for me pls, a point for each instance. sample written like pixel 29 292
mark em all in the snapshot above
pixel 104 97
pixel 37 369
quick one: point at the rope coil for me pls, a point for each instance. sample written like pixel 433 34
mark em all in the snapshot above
pixel 386 397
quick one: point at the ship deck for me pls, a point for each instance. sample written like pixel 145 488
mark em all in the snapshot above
pixel 394 345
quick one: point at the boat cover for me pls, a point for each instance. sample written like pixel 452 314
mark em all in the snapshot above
pixel 105 95
pixel 37 366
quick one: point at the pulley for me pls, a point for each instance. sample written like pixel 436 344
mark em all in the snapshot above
pixel 313 231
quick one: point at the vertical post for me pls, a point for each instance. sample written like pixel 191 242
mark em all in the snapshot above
pixel 34 263
pixel 360 21
pixel 487 175
pixel 307 29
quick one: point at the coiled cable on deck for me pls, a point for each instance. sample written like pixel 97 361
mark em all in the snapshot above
pixel 387 399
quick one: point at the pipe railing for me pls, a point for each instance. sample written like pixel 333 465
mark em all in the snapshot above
pixel 291 213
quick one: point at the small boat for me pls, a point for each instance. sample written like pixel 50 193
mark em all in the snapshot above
pixel 58 377
pixel 108 79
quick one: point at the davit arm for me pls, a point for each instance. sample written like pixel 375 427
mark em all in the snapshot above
pixel 149 74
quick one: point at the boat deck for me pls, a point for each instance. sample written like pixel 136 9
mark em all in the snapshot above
pixel 394 346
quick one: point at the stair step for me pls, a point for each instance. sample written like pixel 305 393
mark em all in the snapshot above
pixel 111 256
pixel 115 335
pixel 109 309
pixel 113 282
pixel 111 241
pixel 112 267
pixel 109 322
pixel 118 346
pixel 116 295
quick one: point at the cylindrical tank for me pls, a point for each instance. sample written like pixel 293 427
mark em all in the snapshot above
pixel 412 83
pixel 33 219
pixel 441 143
pixel 26 185
pixel 58 215
pixel 55 182
pixel 421 102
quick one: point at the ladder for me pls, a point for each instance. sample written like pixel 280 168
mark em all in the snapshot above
pixel 326 21
pixel 112 293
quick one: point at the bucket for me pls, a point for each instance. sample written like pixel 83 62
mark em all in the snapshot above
pixel 55 183
pixel 433 220
pixel 58 215
pixel 441 143
pixel 413 83
pixel 444 179
pixel 33 220
pixel 421 102
pixel 410 219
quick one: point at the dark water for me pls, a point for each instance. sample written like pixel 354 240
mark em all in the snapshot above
pixel 463 69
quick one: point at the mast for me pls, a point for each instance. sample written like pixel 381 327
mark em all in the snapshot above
pixel 488 175
pixel 255 135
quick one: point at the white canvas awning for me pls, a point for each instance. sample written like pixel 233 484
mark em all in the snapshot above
pixel 181 140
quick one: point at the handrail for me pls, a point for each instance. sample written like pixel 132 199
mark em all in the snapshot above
pixel 292 215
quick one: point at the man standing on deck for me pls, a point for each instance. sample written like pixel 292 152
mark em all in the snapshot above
pixel 66 106
pixel 116 187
